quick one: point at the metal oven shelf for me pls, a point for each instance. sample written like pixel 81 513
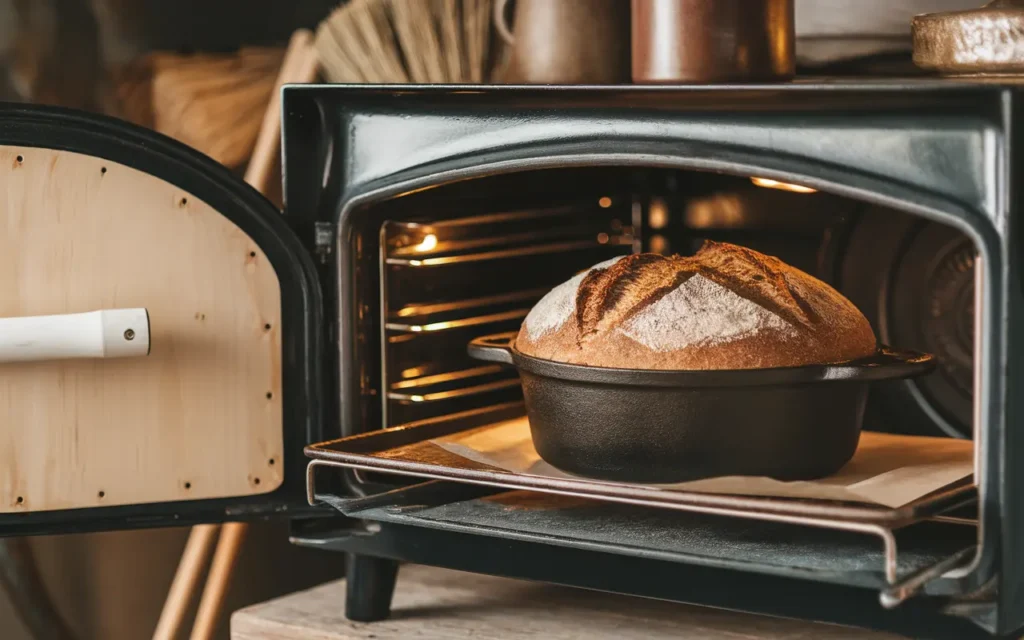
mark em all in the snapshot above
pixel 719 542
pixel 406 451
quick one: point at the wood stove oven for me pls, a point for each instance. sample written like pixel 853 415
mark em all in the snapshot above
pixel 306 351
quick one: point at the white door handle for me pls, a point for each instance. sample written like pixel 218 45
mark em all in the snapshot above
pixel 110 333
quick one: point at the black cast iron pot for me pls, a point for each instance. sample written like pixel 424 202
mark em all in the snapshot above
pixel 792 423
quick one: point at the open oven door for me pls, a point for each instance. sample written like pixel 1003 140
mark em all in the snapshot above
pixel 160 326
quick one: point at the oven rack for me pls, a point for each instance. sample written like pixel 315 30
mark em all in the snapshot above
pixel 425 395
pixel 476 233
pixel 426 315
pixel 428 303
pixel 444 386
pixel 376 452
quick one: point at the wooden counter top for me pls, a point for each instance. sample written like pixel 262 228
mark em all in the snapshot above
pixel 435 604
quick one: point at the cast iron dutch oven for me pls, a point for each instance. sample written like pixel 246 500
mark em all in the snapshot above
pixel 788 423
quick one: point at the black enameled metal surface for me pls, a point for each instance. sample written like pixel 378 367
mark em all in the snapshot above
pixel 689 538
pixel 301 307
pixel 796 423
pixel 944 150
pixel 589 569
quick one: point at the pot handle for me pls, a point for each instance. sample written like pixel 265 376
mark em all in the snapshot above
pixel 494 348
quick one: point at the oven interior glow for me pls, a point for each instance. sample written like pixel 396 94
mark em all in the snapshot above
pixel 784 186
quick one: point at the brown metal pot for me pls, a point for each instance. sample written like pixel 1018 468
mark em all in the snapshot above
pixel 565 41
pixel 703 41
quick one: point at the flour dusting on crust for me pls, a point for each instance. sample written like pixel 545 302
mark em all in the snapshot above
pixel 555 308
pixel 701 313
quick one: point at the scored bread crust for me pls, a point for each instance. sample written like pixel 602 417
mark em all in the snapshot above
pixel 726 307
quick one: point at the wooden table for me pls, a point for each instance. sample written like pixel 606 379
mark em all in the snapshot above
pixel 435 604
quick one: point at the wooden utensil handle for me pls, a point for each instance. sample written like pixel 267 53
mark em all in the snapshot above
pixel 110 333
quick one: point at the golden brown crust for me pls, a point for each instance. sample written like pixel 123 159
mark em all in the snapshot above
pixel 726 307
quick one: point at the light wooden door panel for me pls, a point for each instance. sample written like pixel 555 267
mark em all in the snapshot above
pixel 198 418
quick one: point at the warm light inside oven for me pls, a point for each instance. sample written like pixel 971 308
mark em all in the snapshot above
pixel 433 326
pixel 605 202
pixel 784 186
pixel 428 243
pixel 658 216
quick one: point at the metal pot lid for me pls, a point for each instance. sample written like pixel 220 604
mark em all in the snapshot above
pixel 984 41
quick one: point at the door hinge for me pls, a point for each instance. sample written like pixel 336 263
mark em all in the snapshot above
pixel 323 239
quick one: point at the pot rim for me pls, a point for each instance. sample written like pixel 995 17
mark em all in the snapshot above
pixel 885 364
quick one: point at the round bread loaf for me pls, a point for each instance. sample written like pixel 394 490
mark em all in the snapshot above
pixel 726 307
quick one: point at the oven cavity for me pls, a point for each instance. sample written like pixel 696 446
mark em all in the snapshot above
pixel 466 262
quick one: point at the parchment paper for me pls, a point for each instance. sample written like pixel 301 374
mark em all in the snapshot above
pixel 887 470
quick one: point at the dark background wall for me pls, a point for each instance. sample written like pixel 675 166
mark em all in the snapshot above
pixel 111 586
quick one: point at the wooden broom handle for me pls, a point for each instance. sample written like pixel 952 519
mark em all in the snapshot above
pixel 299 66
pixel 228 548
pixel 197 551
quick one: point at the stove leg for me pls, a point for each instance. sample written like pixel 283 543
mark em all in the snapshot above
pixel 370 583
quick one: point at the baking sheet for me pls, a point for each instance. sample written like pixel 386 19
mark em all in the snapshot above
pixel 887 470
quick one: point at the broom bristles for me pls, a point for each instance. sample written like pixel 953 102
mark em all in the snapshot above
pixel 401 41
pixel 213 102
pixel 476 25
pixel 413 23
pixel 451 37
